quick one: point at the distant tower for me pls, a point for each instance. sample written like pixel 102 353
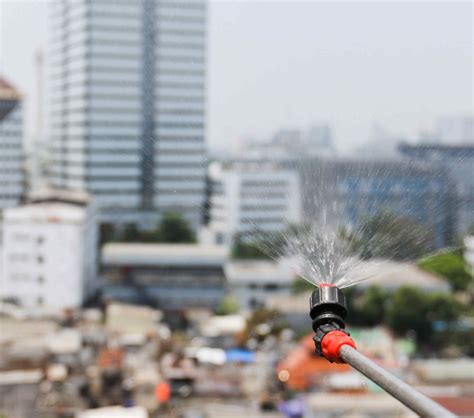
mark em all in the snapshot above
pixel 39 60
pixel 128 106
pixel 11 145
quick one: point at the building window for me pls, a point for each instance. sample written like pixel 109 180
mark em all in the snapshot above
pixel 40 279
pixel 40 259
pixel 40 301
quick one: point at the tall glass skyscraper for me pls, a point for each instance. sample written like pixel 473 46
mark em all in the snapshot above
pixel 11 147
pixel 128 105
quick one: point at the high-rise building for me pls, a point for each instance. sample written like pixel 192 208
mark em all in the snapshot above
pixel 458 162
pixel 345 191
pixel 250 196
pixel 128 105
pixel 11 137
pixel 49 253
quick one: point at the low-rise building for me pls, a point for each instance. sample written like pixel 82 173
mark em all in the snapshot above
pixel 169 276
pixel 49 255
pixel 392 275
pixel 254 282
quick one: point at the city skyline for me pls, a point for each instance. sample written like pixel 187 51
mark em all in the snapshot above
pixel 402 80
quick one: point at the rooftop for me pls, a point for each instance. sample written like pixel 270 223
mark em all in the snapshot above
pixel 76 197
pixel 163 254
pixel 45 212
pixel 392 275
pixel 261 271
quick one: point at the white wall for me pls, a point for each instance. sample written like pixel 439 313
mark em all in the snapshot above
pixel 49 262
pixel 266 198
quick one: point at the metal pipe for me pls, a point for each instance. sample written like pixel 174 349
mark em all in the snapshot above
pixel 406 394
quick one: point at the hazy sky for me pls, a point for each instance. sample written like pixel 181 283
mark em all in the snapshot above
pixel 289 64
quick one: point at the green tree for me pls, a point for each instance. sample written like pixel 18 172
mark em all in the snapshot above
pixel 130 234
pixel 174 228
pixel 449 265
pixel 107 232
pixel 368 307
pixel 300 285
pixel 248 250
pixel 412 310
pixel 227 306
pixel 387 235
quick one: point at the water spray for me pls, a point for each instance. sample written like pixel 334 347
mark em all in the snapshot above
pixel 328 311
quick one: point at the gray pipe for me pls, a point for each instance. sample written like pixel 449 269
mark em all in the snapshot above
pixel 417 402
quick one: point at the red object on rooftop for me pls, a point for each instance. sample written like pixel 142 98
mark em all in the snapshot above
pixel 110 359
pixel 163 392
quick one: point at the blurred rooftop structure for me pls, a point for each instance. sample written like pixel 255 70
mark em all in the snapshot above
pixel 253 282
pixel 186 255
pixel 173 277
pixel 392 274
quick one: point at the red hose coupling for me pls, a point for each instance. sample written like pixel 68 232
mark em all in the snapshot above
pixel 332 343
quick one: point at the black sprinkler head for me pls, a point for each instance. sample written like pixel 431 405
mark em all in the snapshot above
pixel 327 306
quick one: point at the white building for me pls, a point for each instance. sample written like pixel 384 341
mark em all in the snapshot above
pixel 128 105
pixel 469 252
pixel 253 283
pixel 248 197
pixel 11 137
pixel 49 255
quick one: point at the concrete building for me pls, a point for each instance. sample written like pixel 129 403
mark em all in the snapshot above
pixel 469 252
pixel 316 141
pixel 344 191
pixel 169 276
pixel 458 162
pixel 253 283
pixel 252 196
pixel 11 138
pixel 49 255
pixel 128 106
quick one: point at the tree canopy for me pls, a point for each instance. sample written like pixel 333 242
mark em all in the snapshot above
pixel 386 235
pixel 172 228
pixel 449 265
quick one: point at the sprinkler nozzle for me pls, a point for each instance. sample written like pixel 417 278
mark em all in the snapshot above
pixel 328 311
pixel 327 305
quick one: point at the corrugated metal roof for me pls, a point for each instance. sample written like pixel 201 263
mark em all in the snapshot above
pixel 261 271
pixel 163 254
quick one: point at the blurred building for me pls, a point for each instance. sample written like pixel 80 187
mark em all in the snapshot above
pixel 249 196
pixel 11 138
pixel 469 252
pixel 172 277
pixel 317 141
pixel 346 190
pixel 458 161
pixel 50 251
pixel 128 106
pixel 254 282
